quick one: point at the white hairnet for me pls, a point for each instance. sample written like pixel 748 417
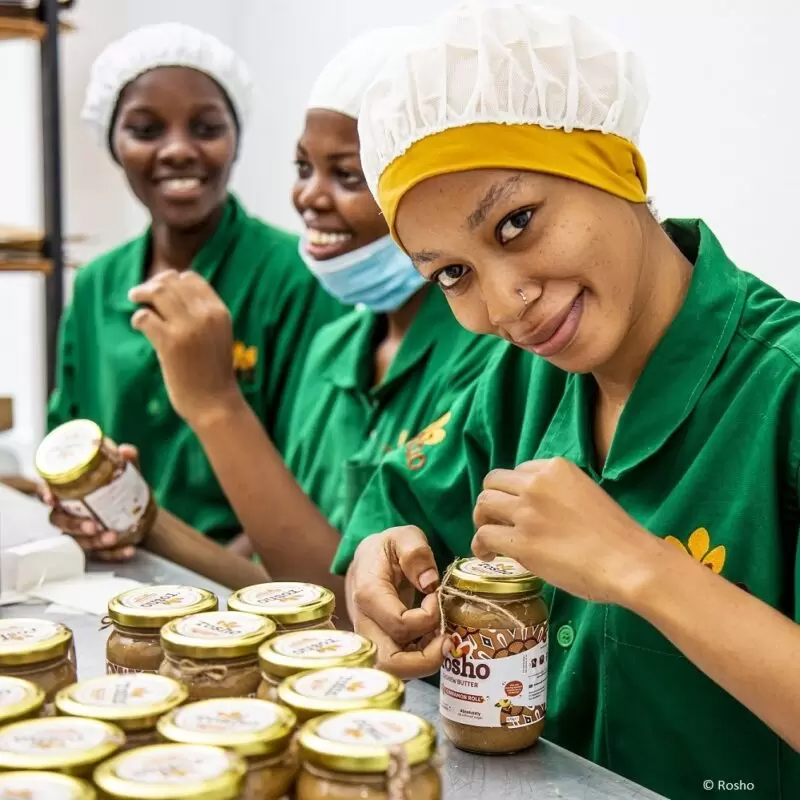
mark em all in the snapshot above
pixel 501 61
pixel 166 45
pixel 342 83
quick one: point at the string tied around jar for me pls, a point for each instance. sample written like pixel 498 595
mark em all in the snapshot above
pixel 190 669
pixel 398 774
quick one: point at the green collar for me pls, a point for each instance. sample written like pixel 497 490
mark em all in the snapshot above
pixel 206 263
pixel 678 370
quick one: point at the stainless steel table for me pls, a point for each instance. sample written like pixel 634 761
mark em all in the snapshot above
pixel 546 772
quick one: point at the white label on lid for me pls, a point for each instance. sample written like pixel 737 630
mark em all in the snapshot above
pixel 156 598
pixel 495 678
pixel 319 644
pixel 37 786
pixel 54 736
pixel 281 596
pixel 501 567
pixel 121 503
pixel 383 728
pixel 182 764
pixel 68 446
pixel 124 690
pixel 16 634
pixel 227 625
pixel 11 692
pixel 342 683
pixel 232 715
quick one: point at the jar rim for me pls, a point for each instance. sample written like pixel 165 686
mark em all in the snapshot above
pixel 31 701
pixel 283 655
pixel 84 465
pixel 78 788
pixel 183 637
pixel 19 651
pixel 502 576
pixel 320 605
pixel 152 615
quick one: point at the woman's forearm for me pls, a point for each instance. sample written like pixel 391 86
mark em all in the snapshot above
pixel 704 615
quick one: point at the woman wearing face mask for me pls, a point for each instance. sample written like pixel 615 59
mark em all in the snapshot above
pixel 379 379
pixel 169 102
pixel 621 463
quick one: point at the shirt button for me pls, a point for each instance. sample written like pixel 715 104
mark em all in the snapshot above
pixel 154 407
pixel 565 636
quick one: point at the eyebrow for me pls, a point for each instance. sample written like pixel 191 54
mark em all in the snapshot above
pixel 495 193
pixel 424 257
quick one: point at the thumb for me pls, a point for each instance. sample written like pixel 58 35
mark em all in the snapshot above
pixel 150 324
pixel 415 557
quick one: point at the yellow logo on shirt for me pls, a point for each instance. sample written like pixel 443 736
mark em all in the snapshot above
pixel 699 548
pixel 434 434
pixel 244 358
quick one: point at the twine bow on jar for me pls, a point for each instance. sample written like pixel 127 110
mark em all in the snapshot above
pixel 191 669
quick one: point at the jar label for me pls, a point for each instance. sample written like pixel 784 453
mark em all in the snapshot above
pixel 495 678
pixel 162 597
pixel 38 786
pixel 343 683
pixel 382 728
pixel 116 669
pixel 501 567
pixel 76 508
pixel 280 596
pixel 183 764
pixel 11 692
pixel 220 625
pixel 233 715
pixel 16 634
pixel 54 736
pixel 122 502
pixel 68 446
pixel 134 690
pixel 319 644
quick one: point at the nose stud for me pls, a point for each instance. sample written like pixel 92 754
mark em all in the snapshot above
pixel 525 302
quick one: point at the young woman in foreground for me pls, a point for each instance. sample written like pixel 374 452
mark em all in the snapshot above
pixel 644 462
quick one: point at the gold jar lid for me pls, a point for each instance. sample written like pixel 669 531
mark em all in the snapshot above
pixel 501 576
pixel 32 641
pixel 35 785
pixel 18 699
pixel 167 771
pixel 295 652
pixel 249 726
pixel 133 702
pixel 57 743
pixel 69 452
pixel 285 603
pixel 361 741
pixel 216 634
pixel 338 689
pixel 151 607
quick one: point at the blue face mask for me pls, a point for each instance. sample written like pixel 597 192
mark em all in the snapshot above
pixel 379 276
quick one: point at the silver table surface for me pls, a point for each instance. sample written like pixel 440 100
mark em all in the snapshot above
pixel 545 772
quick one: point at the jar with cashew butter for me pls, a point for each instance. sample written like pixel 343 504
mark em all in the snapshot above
pixel 336 689
pixel 66 745
pixel 215 654
pixel 133 702
pixel 33 785
pixel 40 651
pixel 172 772
pixel 290 653
pixel 493 683
pixel 368 755
pixel 137 616
pixel 19 700
pixel 259 731
pixel 291 606
pixel 90 480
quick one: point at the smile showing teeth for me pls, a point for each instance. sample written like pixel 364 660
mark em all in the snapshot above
pixel 180 184
pixel 325 238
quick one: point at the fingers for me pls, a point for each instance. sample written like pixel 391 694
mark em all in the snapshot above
pixel 405 664
pixel 494 540
pixel 129 453
pixel 510 481
pixel 162 294
pixel 115 555
pixel 494 506
pixel 415 557
pixel 74 526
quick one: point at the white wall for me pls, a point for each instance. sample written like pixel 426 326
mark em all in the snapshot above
pixel 718 141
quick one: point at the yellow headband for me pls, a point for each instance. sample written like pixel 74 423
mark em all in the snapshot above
pixel 605 161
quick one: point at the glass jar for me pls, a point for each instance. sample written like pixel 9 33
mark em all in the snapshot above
pixel 172 771
pixel 290 653
pixel 493 684
pixel 90 480
pixel 215 654
pixel 33 785
pixel 19 699
pixel 336 689
pixel 258 731
pixel 67 745
pixel 40 651
pixel 291 606
pixel 370 754
pixel 132 702
pixel 138 615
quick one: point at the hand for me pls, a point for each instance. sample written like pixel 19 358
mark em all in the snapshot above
pixel 96 541
pixel 190 328
pixel 384 566
pixel 559 524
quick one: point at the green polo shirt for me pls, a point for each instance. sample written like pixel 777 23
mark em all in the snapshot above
pixel 343 425
pixel 109 372
pixel 707 452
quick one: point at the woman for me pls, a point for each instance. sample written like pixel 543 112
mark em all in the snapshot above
pixel 619 461
pixel 380 378
pixel 169 102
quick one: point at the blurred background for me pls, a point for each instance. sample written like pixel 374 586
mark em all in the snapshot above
pixel 719 139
